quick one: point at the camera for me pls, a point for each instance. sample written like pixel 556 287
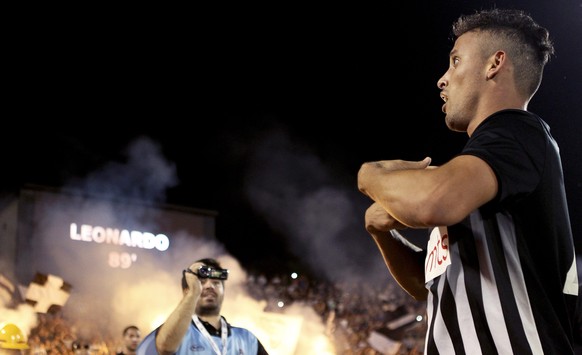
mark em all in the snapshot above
pixel 207 272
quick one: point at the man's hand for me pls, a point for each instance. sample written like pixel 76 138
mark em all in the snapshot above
pixel 194 284
pixel 378 220
pixel 373 170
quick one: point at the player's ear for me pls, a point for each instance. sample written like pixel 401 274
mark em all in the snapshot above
pixel 497 61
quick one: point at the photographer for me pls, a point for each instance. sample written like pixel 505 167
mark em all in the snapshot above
pixel 196 323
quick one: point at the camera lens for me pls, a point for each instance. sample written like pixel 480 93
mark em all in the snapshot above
pixel 203 272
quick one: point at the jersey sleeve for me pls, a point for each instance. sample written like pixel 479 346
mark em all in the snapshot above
pixel 513 143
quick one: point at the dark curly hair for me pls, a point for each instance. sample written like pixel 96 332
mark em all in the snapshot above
pixel 526 42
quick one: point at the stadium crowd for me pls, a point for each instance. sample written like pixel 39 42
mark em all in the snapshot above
pixel 351 312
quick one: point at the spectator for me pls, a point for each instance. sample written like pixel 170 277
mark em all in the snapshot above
pixel 196 323
pixel 131 338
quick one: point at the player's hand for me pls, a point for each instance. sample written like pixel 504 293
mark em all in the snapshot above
pixel 378 220
pixel 398 164
pixel 374 170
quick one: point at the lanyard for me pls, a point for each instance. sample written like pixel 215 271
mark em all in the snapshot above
pixel 223 334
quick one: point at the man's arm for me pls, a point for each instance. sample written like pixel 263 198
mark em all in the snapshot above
pixel 404 263
pixel 170 335
pixel 420 198
pixel 413 194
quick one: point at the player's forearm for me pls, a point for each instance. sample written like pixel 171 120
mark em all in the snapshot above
pixel 403 194
pixel 405 264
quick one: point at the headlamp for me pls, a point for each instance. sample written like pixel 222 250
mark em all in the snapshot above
pixel 207 272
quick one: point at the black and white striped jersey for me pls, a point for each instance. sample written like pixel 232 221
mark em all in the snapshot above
pixel 504 281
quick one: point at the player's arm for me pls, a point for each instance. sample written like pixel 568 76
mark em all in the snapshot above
pixel 419 197
pixel 404 262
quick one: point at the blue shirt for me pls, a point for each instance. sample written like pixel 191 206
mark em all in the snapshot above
pixel 240 342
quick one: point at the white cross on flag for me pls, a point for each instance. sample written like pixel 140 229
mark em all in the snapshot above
pixel 47 291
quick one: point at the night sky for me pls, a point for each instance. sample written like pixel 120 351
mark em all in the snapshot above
pixel 264 118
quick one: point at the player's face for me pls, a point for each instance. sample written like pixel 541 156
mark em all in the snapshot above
pixel 461 86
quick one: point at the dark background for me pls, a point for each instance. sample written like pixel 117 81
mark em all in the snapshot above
pixel 257 113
